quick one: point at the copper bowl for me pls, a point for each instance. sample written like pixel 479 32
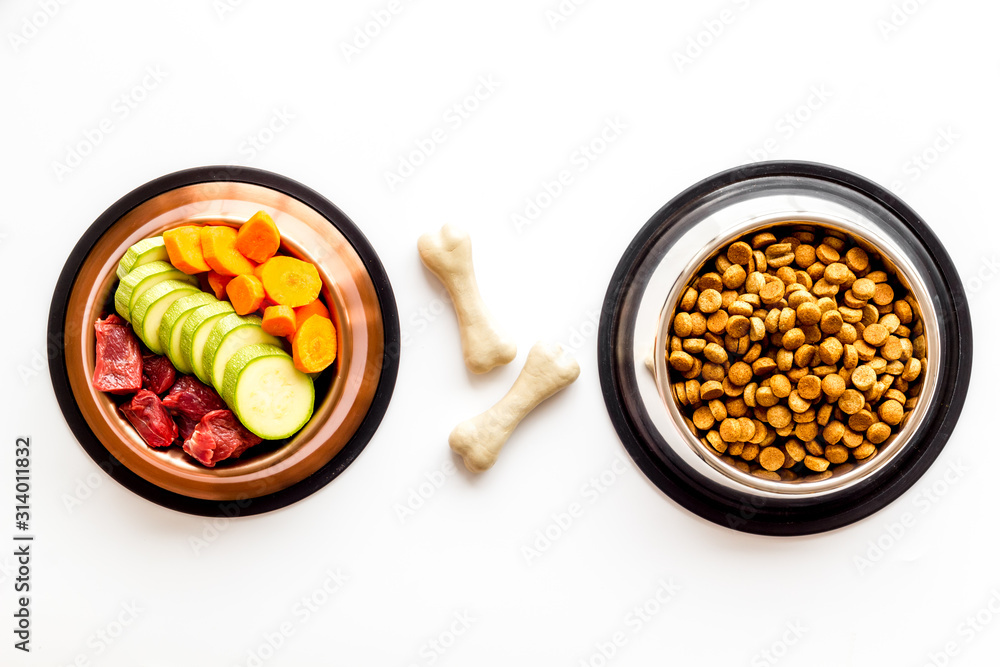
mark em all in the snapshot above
pixel 351 396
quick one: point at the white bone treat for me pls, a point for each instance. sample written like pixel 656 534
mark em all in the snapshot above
pixel 448 255
pixel 479 440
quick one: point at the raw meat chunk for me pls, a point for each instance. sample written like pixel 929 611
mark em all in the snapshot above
pixel 118 367
pixel 157 373
pixel 150 419
pixel 192 399
pixel 219 436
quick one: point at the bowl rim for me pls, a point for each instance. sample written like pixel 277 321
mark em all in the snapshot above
pixel 245 506
pixel 791 516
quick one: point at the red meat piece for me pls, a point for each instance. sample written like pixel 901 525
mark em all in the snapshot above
pixel 158 373
pixel 118 367
pixel 192 399
pixel 219 436
pixel 150 419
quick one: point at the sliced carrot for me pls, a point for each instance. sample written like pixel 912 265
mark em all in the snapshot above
pixel 303 313
pixel 256 269
pixel 246 293
pixel 218 283
pixel 258 238
pixel 289 281
pixel 279 320
pixel 218 244
pixel 184 249
pixel 314 345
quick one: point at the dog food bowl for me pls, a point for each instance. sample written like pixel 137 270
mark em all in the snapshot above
pixel 639 308
pixel 351 396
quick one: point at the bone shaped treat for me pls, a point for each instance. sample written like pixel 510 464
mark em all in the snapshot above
pixel 448 255
pixel 479 440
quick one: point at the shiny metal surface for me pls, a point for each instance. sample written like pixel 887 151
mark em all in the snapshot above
pixel 730 213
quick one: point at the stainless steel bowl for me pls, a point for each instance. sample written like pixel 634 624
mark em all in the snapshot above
pixel 639 307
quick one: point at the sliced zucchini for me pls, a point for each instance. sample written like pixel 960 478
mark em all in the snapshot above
pixel 147 313
pixel 143 252
pixel 194 335
pixel 269 395
pixel 140 279
pixel 173 322
pixel 228 335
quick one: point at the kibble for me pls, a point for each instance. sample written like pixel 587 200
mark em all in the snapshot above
pixel 771 458
pixel 709 301
pixel 795 350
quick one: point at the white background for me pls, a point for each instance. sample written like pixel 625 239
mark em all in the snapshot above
pixel 888 95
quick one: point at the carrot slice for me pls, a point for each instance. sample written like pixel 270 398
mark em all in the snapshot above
pixel 314 345
pixel 289 281
pixel 245 293
pixel 218 244
pixel 316 307
pixel 218 284
pixel 279 320
pixel 258 238
pixel 184 249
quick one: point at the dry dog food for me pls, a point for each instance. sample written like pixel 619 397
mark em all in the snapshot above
pixel 796 352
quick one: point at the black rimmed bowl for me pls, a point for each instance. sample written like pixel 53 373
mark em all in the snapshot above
pixel 644 292
pixel 352 396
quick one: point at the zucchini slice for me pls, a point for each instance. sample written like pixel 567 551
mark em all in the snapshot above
pixel 173 323
pixel 143 252
pixel 141 279
pixel 271 397
pixel 147 314
pixel 228 335
pixel 194 335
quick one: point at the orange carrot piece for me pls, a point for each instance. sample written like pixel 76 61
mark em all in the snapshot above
pixel 184 249
pixel 316 307
pixel 246 293
pixel 218 284
pixel 258 238
pixel 279 321
pixel 218 244
pixel 290 282
pixel 314 345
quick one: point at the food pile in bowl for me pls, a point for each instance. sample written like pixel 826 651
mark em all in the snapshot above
pixel 216 339
pixel 796 352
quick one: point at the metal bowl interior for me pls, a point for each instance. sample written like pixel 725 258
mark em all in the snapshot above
pixel 842 476
pixel 695 234
pixel 345 392
pixel 647 281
